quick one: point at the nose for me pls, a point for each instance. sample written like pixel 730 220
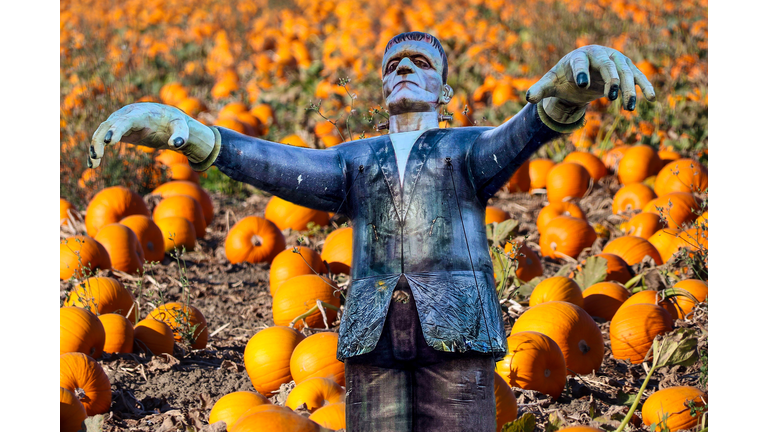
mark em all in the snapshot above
pixel 405 67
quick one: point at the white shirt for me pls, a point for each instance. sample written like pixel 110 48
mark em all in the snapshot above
pixel 403 143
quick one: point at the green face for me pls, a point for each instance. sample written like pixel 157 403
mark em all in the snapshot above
pixel 412 77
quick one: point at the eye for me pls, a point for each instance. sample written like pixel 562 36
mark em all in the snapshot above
pixel 391 66
pixel 421 63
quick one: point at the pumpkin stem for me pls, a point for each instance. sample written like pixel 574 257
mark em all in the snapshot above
pixel 80 393
pixel 583 347
pixel 256 240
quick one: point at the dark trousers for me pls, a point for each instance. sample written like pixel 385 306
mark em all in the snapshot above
pixel 405 385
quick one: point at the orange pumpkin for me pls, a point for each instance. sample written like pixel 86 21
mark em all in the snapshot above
pixel 574 331
pixel 638 163
pixel 288 264
pixel 520 181
pixel 613 157
pixel 183 172
pixel 267 357
pixel 111 205
pixel 80 256
pixel 84 377
pixel 528 262
pixel 683 175
pixel 337 251
pixel 331 416
pixel 643 225
pixel 633 329
pixel 567 181
pixel 298 295
pixel 668 156
pixel 592 163
pixel 651 297
pixel 285 214
pixel 557 288
pixel 170 157
pixel 149 234
pixel 173 93
pixel 71 411
pixel 67 210
pixel 495 214
pixel 580 429
pixel 632 197
pixel 315 392
pixel 566 235
pixel 182 319
pixel 555 209
pixel 295 141
pixel 80 331
pixel 253 239
pixel 184 206
pixel 264 113
pixel 603 299
pixel 153 336
pixel 667 241
pixel 178 233
pixel 192 106
pixel 534 362
pixel 118 333
pixel 506 403
pixel 274 418
pixel 123 247
pixel 676 208
pixel 696 288
pixel 231 406
pixel 632 249
pixel 670 407
pixel 179 187
pixel 618 270
pixel 315 356
pixel 537 171
pixel 102 295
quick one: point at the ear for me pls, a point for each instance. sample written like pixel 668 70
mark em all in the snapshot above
pixel 446 94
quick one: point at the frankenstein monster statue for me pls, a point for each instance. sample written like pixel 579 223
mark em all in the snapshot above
pixel 422 326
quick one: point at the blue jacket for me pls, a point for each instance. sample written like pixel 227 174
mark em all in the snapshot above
pixel 432 229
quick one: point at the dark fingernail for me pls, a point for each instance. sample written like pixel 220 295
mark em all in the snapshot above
pixel 581 79
pixel 178 142
pixel 108 137
pixel 93 152
pixel 614 92
pixel 631 103
pixel 90 163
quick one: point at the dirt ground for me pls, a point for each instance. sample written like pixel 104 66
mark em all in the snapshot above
pixel 169 393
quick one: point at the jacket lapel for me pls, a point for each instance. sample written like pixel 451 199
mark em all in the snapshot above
pixel 419 153
pixel 385 155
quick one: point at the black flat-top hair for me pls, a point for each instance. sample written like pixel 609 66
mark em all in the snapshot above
pixel 420 36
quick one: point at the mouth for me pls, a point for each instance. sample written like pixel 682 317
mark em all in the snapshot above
pixel 405 82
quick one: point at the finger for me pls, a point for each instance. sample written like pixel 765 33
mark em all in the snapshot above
pixel 96 150
pixel 642 81
pixel 120 128
pixel 628 95
pixel 545 87
pixel 580 67
pixel 179 133
pixel 599 59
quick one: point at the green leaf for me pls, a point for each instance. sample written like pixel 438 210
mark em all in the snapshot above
pixel 594 270
pixel 676 348
pixel 526 289
pixel 93 423
pixel 564 271
pixel 524 423
pixel 498 233
pixel 625 398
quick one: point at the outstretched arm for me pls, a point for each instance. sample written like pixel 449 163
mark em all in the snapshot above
pixel 561 98
pixel 308 177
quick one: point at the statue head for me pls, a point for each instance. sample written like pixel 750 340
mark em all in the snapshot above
pixel 414 72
